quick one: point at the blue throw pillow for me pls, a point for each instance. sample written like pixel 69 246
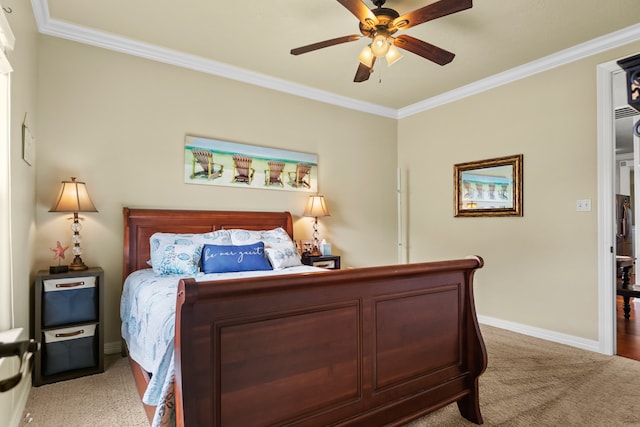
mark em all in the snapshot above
pixel 228 258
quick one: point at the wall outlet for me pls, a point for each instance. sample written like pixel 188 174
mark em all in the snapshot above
pixel 583 205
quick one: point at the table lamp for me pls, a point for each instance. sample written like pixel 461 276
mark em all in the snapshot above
pixel 316 207
pixel 73 197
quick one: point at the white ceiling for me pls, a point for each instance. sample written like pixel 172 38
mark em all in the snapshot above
pixel 495 41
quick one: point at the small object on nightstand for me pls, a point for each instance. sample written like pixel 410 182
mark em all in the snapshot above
pixel 325 248
pixel 58 253
pixel 331 262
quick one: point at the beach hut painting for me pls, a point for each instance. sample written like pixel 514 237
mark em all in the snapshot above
pixel 215 162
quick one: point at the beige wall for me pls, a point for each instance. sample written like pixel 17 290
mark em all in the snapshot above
pixel 23 176
pixel 540 269
pixel 119 122
pixel 23 101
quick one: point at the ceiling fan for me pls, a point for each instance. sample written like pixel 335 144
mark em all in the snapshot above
pixel 380 25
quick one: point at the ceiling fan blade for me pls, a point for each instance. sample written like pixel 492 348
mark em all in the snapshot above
pixel 361 11
pixel 363 72
pixel 424 49
pixel 432 11
pixel 326 43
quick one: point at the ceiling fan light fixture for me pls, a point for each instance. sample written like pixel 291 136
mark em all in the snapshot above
pixel 380 46
pixel 366 56
pixel 393 55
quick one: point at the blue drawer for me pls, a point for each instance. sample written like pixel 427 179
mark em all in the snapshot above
pixel 67 349
pixel 69 300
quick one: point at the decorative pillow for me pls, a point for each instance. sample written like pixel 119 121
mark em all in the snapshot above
pixel 245 237
pixel 159 240
pixel 178 259
pixel 277 238
pixel 227 258
pixel 283 257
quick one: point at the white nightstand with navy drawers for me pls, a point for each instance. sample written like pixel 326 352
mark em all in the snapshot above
pixel 68 323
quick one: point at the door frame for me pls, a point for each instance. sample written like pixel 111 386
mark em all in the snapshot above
pixel 606 208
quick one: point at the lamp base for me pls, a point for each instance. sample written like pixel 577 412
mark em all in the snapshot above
pixel 77 264
pixel 56 269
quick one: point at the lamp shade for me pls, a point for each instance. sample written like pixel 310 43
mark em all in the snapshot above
pixel 73 197
pixel 316 207
pixel 393 55
pixel 379 46
pixel 366 56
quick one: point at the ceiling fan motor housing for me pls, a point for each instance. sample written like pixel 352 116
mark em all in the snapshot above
pixel 385 23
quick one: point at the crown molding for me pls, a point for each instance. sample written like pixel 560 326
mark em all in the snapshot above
pixel 56 28
pixel 575 53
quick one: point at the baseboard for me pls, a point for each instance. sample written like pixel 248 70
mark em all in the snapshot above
pixel 544 334
pixel 112 347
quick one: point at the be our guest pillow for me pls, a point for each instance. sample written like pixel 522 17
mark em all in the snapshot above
pixel 229 258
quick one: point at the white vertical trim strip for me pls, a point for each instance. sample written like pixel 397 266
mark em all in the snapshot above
pixel 606 197
pixel 6 288
pixel 399 202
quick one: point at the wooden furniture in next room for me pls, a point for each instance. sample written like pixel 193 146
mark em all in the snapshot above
pixel 625 288
pixel 321 348
pixel 627 291
pixel 624 264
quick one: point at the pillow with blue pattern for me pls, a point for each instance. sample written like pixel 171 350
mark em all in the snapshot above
pixel 228 258
pixel 283 257
pixel 179 259
pixel 158 241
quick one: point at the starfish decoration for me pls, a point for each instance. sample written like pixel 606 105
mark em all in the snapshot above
pixel 59 251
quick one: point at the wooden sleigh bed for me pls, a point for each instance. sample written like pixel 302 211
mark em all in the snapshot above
pixel 358 347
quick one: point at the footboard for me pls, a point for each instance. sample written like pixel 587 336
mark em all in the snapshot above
pixel 361 347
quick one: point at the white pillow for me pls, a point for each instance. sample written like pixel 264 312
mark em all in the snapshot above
pixel 283 257
pixel 277 237
pixel 241 237
pixel 178 259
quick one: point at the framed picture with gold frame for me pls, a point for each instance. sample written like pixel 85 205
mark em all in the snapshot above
pixel 491 187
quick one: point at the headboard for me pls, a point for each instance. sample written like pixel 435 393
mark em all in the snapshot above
pixel 140 224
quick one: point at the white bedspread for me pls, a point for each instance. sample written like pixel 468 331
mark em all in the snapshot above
pixel 147 311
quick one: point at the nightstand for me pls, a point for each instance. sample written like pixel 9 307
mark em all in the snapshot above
pixel 68 323
pixel 330 262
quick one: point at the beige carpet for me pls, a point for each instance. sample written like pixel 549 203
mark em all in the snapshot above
pixel 529 382
pixel 109 399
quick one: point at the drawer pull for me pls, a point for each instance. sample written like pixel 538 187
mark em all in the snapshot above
pixel 69 285
pixel 70 334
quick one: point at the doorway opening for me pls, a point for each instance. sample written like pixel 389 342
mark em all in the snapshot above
pixel 618 212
